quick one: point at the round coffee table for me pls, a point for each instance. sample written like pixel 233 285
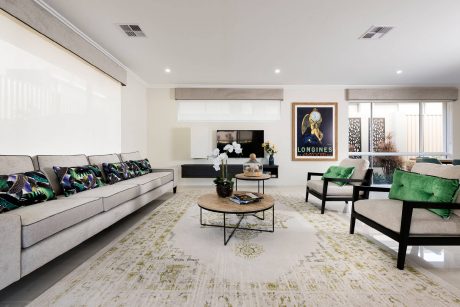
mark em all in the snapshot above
pixel 214 203
pixel 260 178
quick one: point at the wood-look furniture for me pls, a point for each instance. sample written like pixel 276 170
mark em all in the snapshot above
pixel 207 171
pixel 214 203
pixel 260 178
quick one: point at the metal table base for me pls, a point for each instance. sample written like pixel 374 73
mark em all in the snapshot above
pixel 225 226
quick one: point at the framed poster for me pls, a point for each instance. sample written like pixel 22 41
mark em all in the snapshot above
pixel 314 131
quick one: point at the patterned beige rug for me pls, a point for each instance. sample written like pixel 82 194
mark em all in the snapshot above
pixel 168 259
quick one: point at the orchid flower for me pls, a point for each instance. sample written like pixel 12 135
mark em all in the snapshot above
pixel 228 148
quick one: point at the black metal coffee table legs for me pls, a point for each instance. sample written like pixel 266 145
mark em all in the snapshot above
pixel 237 226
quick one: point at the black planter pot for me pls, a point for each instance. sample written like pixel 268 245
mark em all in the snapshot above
pixel 224 190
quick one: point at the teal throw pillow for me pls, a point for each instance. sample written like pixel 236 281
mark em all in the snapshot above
pixel 79 178
pixel 417 187
pixel 24 189
pixel 339 172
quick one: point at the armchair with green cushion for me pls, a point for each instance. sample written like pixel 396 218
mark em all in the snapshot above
pixel 423 208
pixel 337 183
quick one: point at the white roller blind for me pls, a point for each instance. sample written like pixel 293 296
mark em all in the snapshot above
pixel 228 110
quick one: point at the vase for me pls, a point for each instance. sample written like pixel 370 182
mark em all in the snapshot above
pixel 224 190
pixel 271 160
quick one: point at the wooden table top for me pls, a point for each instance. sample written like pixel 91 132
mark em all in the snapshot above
pixel 213 202
pixel 261 177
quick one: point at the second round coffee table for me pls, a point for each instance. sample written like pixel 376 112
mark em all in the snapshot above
pixel 214 203
pixel 260 178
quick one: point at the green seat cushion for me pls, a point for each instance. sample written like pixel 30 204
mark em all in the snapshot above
pixel 24 189
pixel 417 187
pixel 339 172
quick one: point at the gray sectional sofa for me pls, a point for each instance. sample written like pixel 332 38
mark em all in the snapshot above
pixel 36 234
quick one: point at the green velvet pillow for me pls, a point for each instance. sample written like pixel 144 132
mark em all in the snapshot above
pixel 339 172
pixel 418 187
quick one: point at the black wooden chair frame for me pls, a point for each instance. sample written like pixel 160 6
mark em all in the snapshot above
pixel 323 196
pixel 404 238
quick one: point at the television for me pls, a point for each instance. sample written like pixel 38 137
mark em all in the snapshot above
pixel 251 142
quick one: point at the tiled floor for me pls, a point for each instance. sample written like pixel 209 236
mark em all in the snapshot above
pixel 439 260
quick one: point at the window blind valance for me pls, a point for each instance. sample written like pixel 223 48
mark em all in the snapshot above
pixel 433 94
pixel 229 94
pixel 34 15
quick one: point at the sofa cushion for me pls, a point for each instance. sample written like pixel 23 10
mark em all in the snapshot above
pixel 388 212
pixel 24 189
pixel 444 171
pixel 10 164
pixel 418 187
pixel 143 166
pixel 78 179
pixel 112 195
pixel 133 169
pixel 116 172
pixel 127 156
pixel 99 159
pixel 332 188
pixel 46 163
pixel 151 181
pixel 339 172
pixel 45 219
pixel 361 166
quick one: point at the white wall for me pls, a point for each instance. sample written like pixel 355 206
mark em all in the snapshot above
pixel 134 115
pixel 51 101
pixel 456 129
pixel 169 140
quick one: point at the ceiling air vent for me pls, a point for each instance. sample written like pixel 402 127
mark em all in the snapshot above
pixel 376 32
pixel 132 30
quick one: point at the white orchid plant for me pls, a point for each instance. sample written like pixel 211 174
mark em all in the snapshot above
pixel 219 161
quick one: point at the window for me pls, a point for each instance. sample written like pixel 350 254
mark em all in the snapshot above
pixel 392 134
pixel 228 110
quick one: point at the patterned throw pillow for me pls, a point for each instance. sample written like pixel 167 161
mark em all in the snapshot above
pixel 133 169
pixel 24 189
pixel 115 172
pixel 79 178
pixel 143 165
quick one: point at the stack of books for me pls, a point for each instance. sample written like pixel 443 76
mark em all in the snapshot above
pixel 245 198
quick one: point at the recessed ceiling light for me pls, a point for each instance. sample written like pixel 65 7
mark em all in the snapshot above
pixel 399 72
pixel 277 71
pixel 167 70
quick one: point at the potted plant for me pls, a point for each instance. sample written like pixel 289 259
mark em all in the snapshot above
pixel 224 182
pixel 270 148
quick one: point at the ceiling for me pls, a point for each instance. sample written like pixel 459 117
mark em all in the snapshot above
pixel 242 42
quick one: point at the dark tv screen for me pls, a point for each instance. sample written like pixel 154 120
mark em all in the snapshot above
pixel 251 141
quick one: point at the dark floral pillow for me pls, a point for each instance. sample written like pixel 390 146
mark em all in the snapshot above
pixel 24 189
pixel 115 172
pixel 133 169
pixel 143 165
pixel 78 178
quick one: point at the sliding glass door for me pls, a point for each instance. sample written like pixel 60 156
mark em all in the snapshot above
pixel 392 134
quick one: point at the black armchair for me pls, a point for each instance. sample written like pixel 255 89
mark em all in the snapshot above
pixel 405 210
pixel 328 190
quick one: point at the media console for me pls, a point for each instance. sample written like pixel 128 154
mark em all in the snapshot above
pixel 208 171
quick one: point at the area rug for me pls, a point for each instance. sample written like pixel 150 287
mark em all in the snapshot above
pixel 169 259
